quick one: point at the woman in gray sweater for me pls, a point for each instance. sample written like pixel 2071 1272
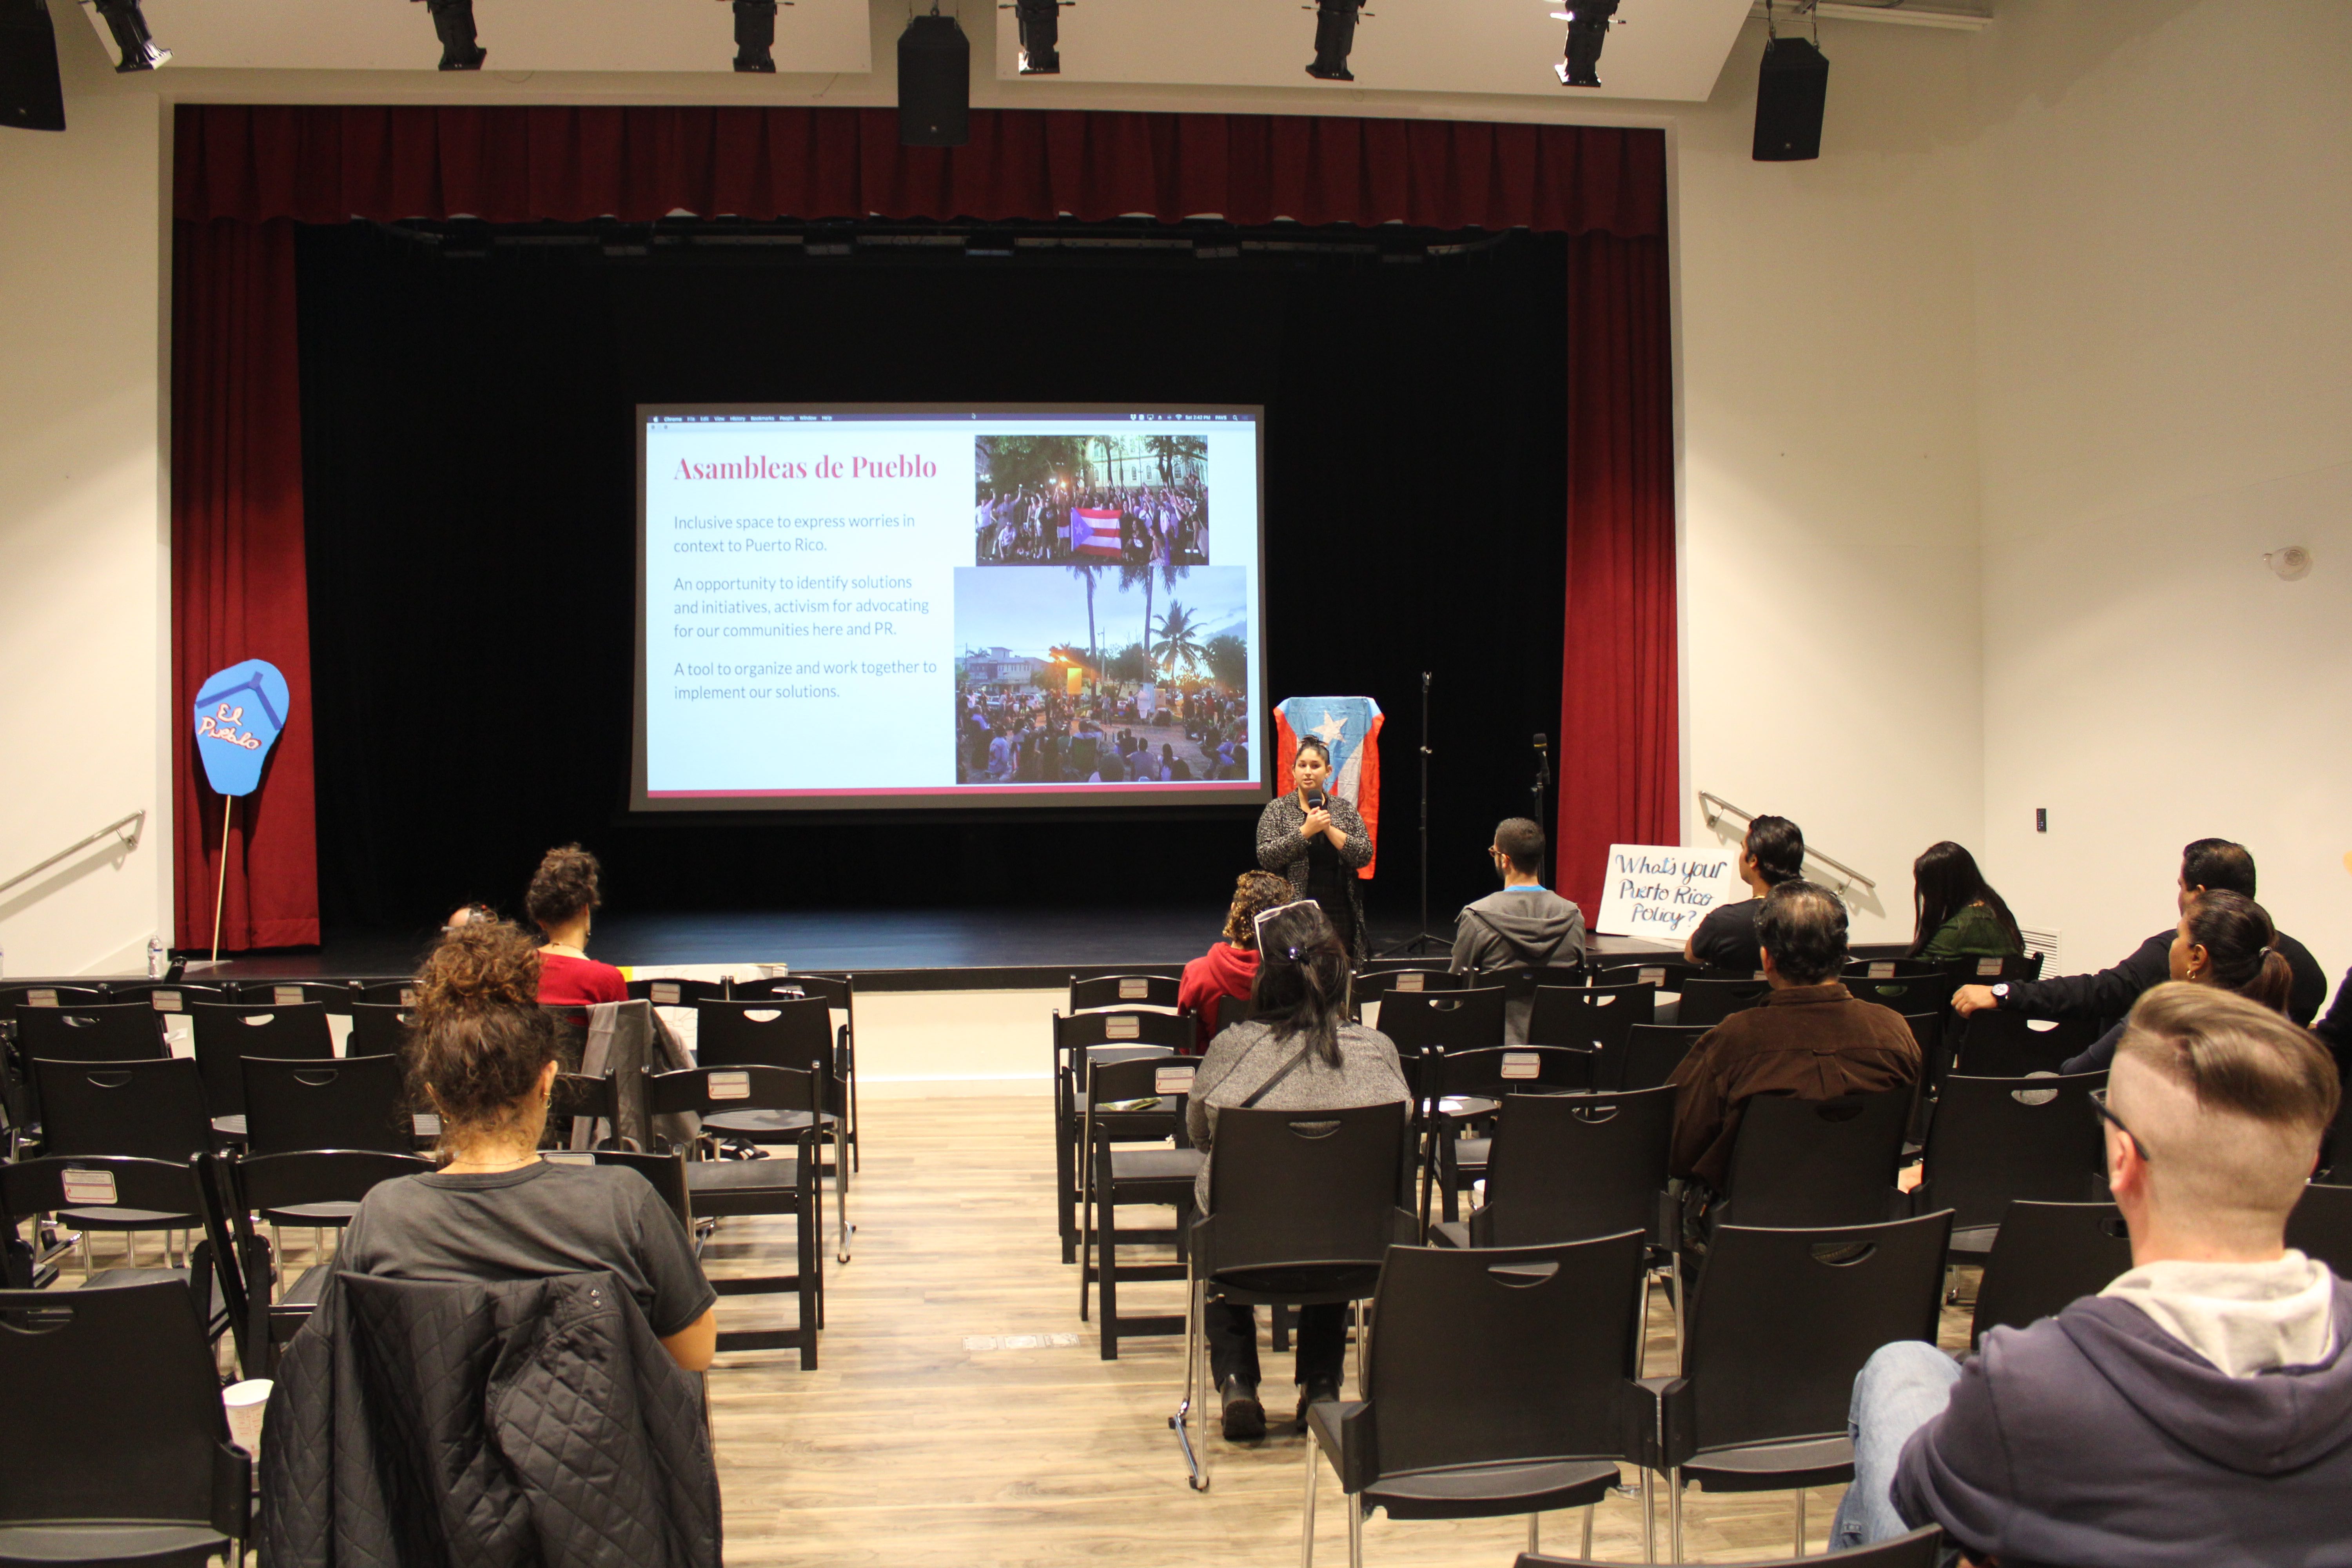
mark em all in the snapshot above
pixel 1316 839
pixel 1299 1052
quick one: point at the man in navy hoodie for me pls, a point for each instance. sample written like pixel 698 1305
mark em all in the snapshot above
pixel 2197 1411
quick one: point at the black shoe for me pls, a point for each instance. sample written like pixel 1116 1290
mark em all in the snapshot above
pixel 1319 1391
pixel 1245 1417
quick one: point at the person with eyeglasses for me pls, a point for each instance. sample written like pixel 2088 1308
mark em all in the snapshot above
pixel 2199 1409
pixel 1525 926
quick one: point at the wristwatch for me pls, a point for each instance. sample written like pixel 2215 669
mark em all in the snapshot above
pixel 2000 995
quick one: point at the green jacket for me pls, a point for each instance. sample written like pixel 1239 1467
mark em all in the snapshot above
pixel 1974 932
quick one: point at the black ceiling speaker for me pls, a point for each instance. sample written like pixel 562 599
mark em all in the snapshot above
pixel 1791 89
pixel 934 83
pixel 31 96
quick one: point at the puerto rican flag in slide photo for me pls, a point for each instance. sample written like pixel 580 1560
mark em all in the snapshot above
pixel 1094 531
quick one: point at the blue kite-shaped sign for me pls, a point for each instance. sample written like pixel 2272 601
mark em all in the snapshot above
pixel 240 712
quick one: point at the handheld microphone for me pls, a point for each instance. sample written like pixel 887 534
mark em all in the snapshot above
pixel 1314 800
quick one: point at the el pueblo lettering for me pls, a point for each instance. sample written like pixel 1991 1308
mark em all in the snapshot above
pixel 221 725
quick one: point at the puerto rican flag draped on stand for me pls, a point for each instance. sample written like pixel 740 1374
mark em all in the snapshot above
pixel 1350 726
pixel 1094 531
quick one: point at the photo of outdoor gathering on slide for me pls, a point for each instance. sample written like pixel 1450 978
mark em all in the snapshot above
pixel 1101 674
pixel 1050 500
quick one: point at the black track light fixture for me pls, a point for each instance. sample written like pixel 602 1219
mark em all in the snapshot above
pixel 1041 34
pixel 136 50
pixel 1335 39
pixel 755 34
pixel 453 20
pixel 1588 30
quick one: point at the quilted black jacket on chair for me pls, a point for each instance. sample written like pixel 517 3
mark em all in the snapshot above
pixel 533 1424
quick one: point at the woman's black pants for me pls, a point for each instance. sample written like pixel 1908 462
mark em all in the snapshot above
pixel 1233 1342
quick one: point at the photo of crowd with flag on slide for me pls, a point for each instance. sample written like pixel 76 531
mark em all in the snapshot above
pixel 1130 500
pixel 1096 672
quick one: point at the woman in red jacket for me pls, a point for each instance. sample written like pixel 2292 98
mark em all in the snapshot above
pixel 561 903
pixel 1230 967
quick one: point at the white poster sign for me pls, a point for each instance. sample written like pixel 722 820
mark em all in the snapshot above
pixel 1659 893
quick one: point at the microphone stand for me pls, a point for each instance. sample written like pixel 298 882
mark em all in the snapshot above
pixel 1425 940
pixel 1537 789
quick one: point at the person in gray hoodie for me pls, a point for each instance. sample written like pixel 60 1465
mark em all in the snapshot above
pixel 1525 926
pixel 2197 1411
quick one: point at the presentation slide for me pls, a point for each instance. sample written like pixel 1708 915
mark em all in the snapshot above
pixel 865 606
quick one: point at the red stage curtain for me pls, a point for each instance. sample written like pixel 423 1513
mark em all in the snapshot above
pixel 238 589
pixel 243 173
pixel 1621 750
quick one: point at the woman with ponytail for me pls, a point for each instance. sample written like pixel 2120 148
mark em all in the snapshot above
pixel 2224 940
pixel 1298 1053
pixel 1772 853
pixel 482 1054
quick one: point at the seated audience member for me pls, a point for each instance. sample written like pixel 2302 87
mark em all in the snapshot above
pixel 561 901
pixel 1772 853
pixel 1230 966
pixel 2223 939
pixel 482 1052
pixel 2335 1031
pixel 1958 914
pixel 465 914
pixel 1299 1052
pixel 1808 1038
pixel 2214 863
pixel 2198 1410
pixel 1525 926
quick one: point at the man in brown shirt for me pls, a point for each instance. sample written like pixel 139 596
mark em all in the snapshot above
pixel 1808 1038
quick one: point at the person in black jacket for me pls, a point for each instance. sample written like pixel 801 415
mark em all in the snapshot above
pixel 2107 995
pixel 1772 853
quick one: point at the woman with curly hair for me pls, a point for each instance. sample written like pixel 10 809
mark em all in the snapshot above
pixel 1230 966
pixel 482 1054
pixel 560 902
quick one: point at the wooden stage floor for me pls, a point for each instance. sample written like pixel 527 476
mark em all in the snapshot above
pixel 920 1442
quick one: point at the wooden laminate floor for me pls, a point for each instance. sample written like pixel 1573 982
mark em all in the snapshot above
pixel 923 1440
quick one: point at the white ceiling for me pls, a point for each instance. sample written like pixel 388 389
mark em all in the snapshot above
pixel 1659 49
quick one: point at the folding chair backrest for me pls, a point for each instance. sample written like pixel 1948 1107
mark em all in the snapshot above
pixel 1995 1140
pixel 2046 1255
pixel 1380 985
pixel 1232 1010
pixel 1462 1020
pixel 1490 1356
pixel 839 991
pixel 1565 1167
pixel 316 1177
pixel 227 1034
pixel 1995 1044
pixel 1520 984
pixel 387 994
pixel 595 1098
pixel 1594 1015
pixel 1985 971
pixel 1928 993
pixel 1306 1186
pixel 1155 1089
pixel 343 1102
pixel 100 1181
pixel 113 1410
pixel 1125 990
pixel 666 1171
pixel 1081 1031
pixel 777 1032
pixel 12 997
pixel 111 1032
pixel 1709 999
pixel 1782 1320
pixel 164 995
pixel 1493 1071
pixel 707 1091
pixel 335 996
pixel 663 992
pixel 1816 1162
pixel 1653 1052
pixel 1666 974
pixel 153 1109
pixel 379 1029
pixel 2321 1226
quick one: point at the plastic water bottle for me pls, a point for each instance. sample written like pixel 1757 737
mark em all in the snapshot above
pixel 154 958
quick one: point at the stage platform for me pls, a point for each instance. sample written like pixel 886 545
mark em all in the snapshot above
pixel 888 950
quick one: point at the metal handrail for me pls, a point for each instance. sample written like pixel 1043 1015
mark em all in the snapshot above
pixel 136 822
pixel 1719 807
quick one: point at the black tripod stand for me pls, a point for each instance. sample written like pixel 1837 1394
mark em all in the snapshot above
pixel 1425 940
pixel 1536 792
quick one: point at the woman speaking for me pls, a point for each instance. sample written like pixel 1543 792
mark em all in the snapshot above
pixel 1318 841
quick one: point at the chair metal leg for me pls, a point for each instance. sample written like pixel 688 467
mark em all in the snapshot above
pixel 841 1188
pixel 1306 1526
pixel 1535 1533
pixel 1649 1523
pixel 1360 1349
pixel 1798 1550
pixel 1355 1532
pixel 1196 1355
pixel 1674 1289
pixel 1085 1226
pixel 1674 1512
pixel 1585 1551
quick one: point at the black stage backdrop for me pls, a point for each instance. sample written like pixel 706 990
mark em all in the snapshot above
pixel 470 476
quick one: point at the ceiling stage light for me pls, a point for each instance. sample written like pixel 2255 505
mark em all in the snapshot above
pixel 132 42
pixel 1041 36
pixel 755 35
pixel 1335 39
pixel 453 20
pixel 1587 30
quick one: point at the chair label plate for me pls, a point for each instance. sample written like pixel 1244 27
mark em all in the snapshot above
pixel 1522 1064
pixel 1136 990
pixel 665 992
pixel 1653 976
pixel 163 1001
pixel 92 1189
pixel 1988 966
pixel 1410 980
pixel 40 996
pixel 730 1085
pixel 1882 969
pixel 1172 1080
pixel 1122 1025
pixel 286 996
pixel 567 1156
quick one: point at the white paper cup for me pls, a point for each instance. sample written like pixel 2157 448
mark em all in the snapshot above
pixel 245 1402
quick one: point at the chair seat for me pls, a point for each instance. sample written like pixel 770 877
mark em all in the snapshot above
pixel 319 1215
pixel 1473 1491
pixel 102 1540
pixel 1470 1154
pixel 1772 1467
pixel 117 1279
pixel 1468 1106
pixel 1155 1164
pixel 1302 1285
pixel 763 1126
pixel 127 1219
pixel 726 1189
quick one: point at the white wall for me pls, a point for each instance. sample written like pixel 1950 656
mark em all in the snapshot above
pixel 83 594
pixel 2163 221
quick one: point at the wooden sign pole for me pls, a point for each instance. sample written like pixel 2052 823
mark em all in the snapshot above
pixel 220 891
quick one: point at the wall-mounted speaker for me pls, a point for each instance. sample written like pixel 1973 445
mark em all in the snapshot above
pixel 1791 90
pixel 31 96
pixel 934 83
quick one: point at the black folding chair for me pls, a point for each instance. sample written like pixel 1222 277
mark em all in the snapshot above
pixel 164 995
pixel 50 994
pixel 1985 971
pixel 226 1034
pixel 1710 999
pixel 342 1102
pixel 839 992
pixel 1917 993
pixel 793 1032
pixel 1596 1016
pixel 1376 985
pixel 1653 1052
pixel 1125 990
pixel 1500 1382
pixel 114 1192
pixel 1666 974
pixel 2321 1226
pixel 1466 1088
pixel 379 1029
pixel 666 992
pixel 2044 1257
pixel 1520 987
pixel 118 1444
pixel 110 1032
pixel 596 1100
pixel 1232 1010
pixel 335 996
pixel 785 1183
pixel 1994 1044
pixel 1081 1036
pixel 1994 1141
pixel 1303 1205
pixel 1811 1163
pixel 1780 1324
pixel 384 994
pixel 1465 1020
pixel 1922 1548
pixel 1138 1101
